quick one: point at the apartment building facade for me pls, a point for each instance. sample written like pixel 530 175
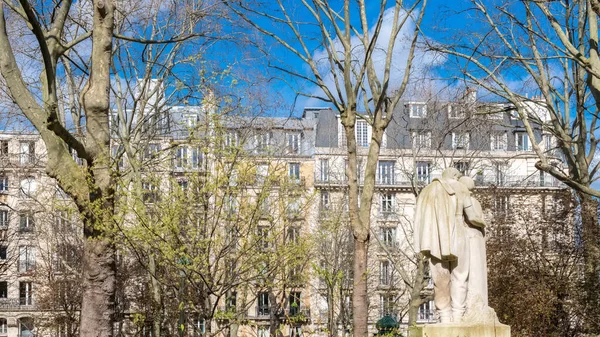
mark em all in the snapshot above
pixel 304 207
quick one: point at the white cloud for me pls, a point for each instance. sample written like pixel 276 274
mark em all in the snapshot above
pixel 400 53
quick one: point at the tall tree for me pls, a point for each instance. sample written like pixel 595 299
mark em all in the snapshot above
pixel 90 187
pixel 57 32
pixel 548 49
pixel 354 73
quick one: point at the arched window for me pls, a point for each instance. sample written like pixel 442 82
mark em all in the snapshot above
pixel 3 326
pixel 26 327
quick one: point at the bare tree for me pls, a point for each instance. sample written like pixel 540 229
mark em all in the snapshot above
pixel 347 77
pixel 532 251
pixel 56 31
pixel 551 49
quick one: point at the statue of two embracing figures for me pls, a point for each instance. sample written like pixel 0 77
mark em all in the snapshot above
pixel 449 229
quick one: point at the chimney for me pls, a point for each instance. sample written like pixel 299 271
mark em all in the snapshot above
pixel 470 95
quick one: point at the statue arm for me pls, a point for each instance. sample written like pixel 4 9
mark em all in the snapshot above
pixel 473 213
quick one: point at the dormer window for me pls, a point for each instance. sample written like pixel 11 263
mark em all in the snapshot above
pixel 460 141
pixel 421 139
pixel 456 111
pixel 362 133
pixel 418 110
pixel 191 120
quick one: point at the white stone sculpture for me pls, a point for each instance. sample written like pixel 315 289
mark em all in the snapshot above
pixel 449 230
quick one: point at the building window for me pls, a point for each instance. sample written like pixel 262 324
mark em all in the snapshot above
pixel 263 304
pixel 191 120
pixel 199 326
pixel 62 222
pixel 151 151
pixel 181 157
pixel 262 171
pixel 456 111
pixel 231 138
pixel 3 326
pixel 27 152
pixel 263 331
pixel 3 183
pixel 26 259
pixel 294 301
pixel 264 206
pixel 26 327
pixel 498 141
pixel 421 140
pixel 548 142
pixel 522 141
pixel 293 207
pixel 26 293
pixel 294 172
pixel 3 148
pixel 386 305
pixel 293 142
pixel 4 218
pixel 362 133
pixel 418 110
pixel 501 205
pixel 231 302
pixel 324 201
pixel 149 192
pixel 26 222
pixel 296 331
pixel 385 273
pixel 293 234
pixel 388 236
pixel 3 253
pixel 460 141
pixel 500 173
pixel 3 289
pixel 387 203
pixel 423 172
pixel 324 169
pixel 263 141
pixel 462 167
pixel 425 311
pixel 230 205
pixel 28 187
pixel 385 172
pixel 262 238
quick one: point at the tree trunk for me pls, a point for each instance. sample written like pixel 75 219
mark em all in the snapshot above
pixel 331 321
pixel 360 309
pixel 157 316
pixel 97 310
pixel 415 293
pixel 590 237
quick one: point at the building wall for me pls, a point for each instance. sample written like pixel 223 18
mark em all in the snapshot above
pixel 320 155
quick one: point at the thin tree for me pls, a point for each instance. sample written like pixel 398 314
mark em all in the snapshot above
pixel 348 79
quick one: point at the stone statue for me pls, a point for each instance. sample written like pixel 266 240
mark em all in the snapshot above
pixel 477 284
pixel 441 232
pixel 449 229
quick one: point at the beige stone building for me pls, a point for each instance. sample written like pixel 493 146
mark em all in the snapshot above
pixel 307 208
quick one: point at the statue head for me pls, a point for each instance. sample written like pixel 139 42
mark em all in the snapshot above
pixel 467 181
pixel 451 173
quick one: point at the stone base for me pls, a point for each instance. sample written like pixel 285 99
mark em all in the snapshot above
pixel 460 330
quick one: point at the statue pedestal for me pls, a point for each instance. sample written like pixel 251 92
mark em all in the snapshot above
pixel 460 330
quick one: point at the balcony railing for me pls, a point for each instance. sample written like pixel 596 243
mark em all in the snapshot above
pixel 517 181
pixel 480 180
pixel 297 315
pixel 24 303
